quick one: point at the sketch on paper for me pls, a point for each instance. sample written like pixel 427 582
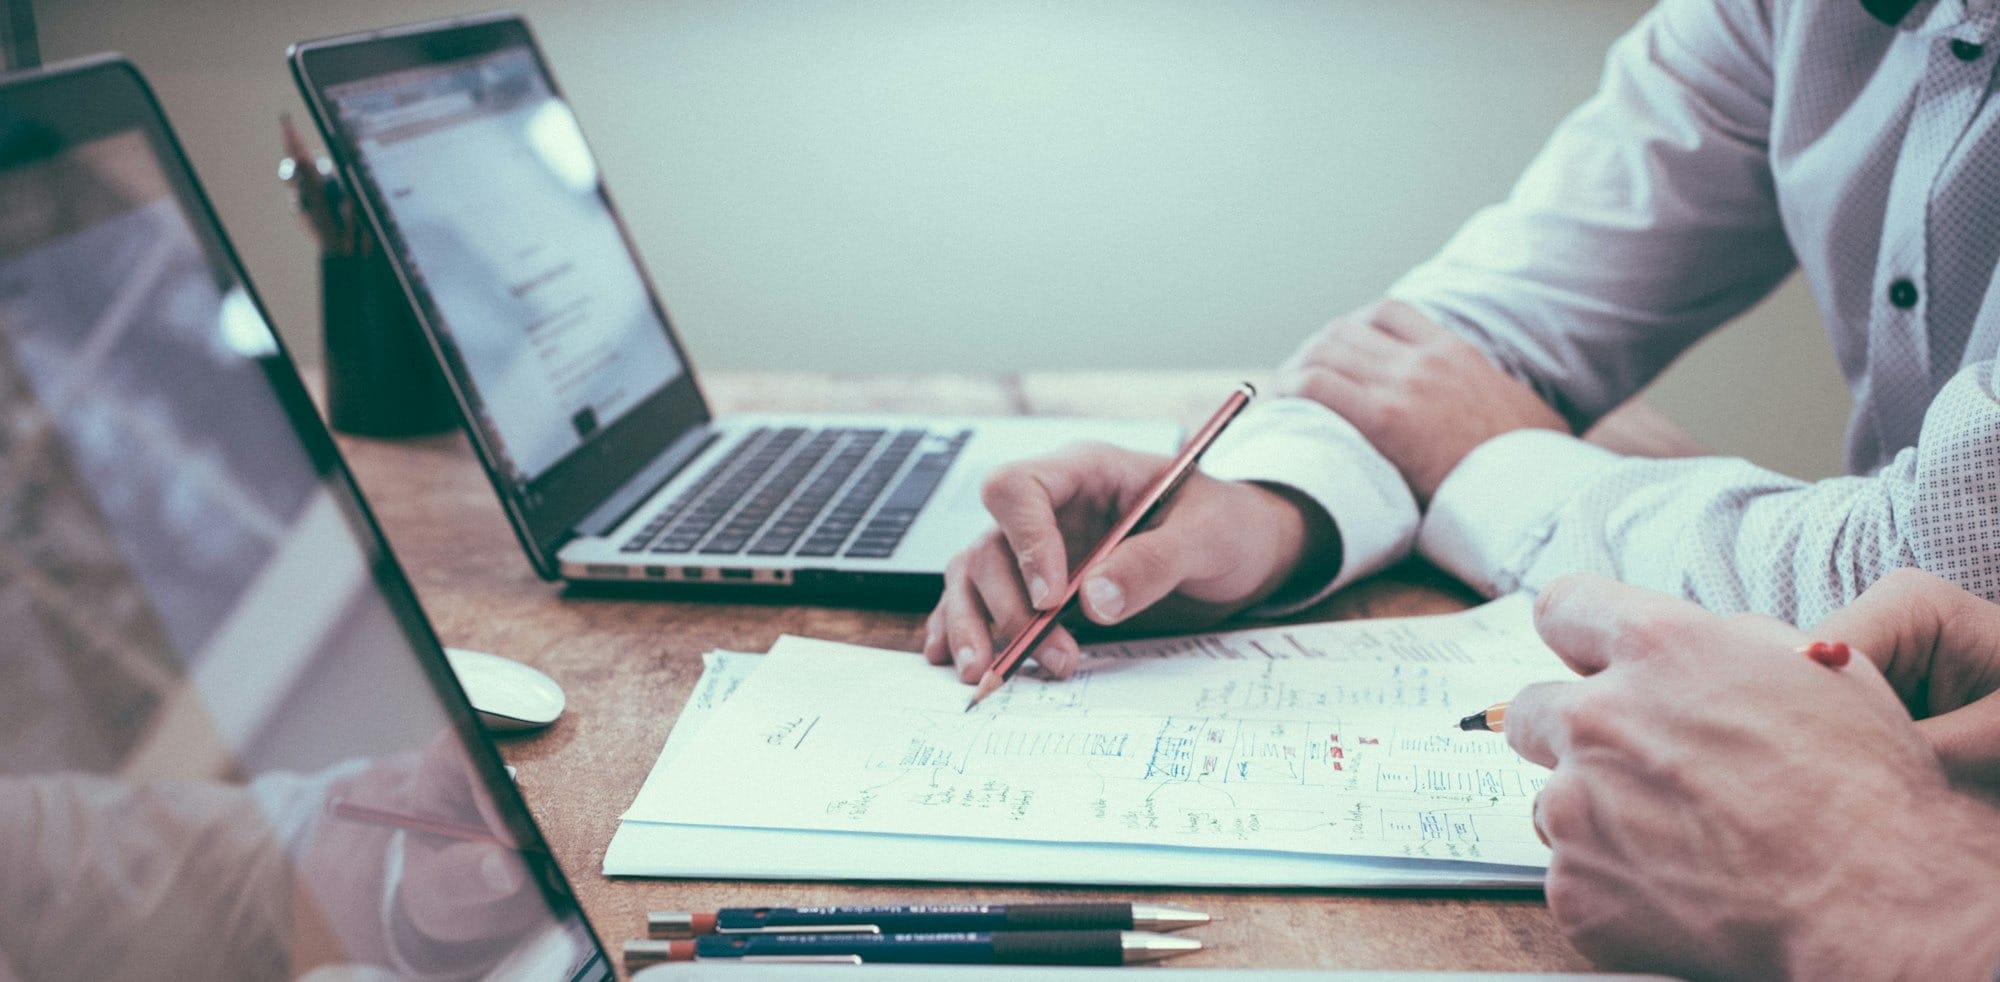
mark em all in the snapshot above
pixel 1328 739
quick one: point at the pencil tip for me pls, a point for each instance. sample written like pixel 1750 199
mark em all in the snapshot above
pixel 988 684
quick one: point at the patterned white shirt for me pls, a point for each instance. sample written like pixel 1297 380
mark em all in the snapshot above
pixel 1730 142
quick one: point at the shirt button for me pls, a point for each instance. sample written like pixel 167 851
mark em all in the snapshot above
pixel 1903 294
pixel 1966 50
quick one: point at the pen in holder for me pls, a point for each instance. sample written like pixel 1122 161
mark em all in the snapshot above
pixel 380 379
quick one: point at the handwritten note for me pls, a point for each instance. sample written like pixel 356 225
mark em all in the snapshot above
pixel 1329 739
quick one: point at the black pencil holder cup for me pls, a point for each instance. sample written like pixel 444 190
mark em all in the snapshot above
pixel 380 378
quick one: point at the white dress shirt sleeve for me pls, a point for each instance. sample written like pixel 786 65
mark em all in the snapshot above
pixel 1529 506
pixel 1648 219
pixel 1302 445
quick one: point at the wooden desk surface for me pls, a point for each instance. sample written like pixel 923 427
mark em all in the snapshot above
pixel 628 665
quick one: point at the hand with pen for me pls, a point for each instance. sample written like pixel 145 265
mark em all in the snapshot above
pixel 1729 803
pixel 1215 548
pixel 411 831
pixel 124 869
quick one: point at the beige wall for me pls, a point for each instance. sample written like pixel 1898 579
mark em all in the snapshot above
pixel 873 184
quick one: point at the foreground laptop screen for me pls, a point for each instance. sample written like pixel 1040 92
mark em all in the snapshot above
pixel 493 201
pixel 222 756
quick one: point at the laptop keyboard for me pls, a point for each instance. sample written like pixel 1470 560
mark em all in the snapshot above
pixel 796 491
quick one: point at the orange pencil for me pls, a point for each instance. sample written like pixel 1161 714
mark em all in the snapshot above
pixel 1150 501
pixel 1492 719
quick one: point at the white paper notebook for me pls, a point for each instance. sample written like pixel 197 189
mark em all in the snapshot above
pixel 1314 755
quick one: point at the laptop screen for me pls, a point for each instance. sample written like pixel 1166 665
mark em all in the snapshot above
pixel 493 197
pixel 232 749
pixel 488 203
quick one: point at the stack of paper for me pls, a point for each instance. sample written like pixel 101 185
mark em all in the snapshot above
pixel 1314 755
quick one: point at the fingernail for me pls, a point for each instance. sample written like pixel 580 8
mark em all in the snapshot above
pixel 963 656
pixel 930 638
pixel 497 869
pixel 1062 660
pixel 1106 600
pixel 1038 591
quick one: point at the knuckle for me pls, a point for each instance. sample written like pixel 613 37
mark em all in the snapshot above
pixel 1027 557
pixel 1565 814
pixel 1384 308
pixel 1387 410
pixel 1149 557
pixel 1006 626
pixel 1315 383
pixel 965 629
pixel 1443 365
pixel 1554 596
pixel 1438 359
pixel 1646 632
pixel 955 569
pixel 1588 719
pixel 1004 484
pixel 1089 453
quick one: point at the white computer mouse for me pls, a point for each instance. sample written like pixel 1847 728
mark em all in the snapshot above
pixel 509 696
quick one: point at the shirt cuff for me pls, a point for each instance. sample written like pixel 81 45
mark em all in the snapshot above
pixel 1304 446
pixel 1498 506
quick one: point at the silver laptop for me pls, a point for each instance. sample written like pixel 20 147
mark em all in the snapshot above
pixel 574 387
pixel 231 747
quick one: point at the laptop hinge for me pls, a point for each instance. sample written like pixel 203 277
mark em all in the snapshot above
pixel 633 493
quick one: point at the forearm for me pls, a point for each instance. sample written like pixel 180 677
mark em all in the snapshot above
pixel 1647 220
pixel 1526 508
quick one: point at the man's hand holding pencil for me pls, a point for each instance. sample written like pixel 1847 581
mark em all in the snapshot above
pixel 1210 549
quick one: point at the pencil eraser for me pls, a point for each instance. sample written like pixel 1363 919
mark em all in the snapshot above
pixel 678 924
pixel 639 954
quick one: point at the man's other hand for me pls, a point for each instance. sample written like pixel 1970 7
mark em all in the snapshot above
pixel 1939 646
pixel 1422 395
